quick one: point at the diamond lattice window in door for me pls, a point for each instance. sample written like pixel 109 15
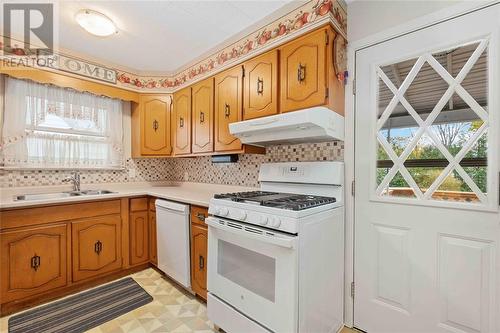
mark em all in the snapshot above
pixel 432 122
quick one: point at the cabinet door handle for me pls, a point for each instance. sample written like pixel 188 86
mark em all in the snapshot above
pixel 202 117
pixel 35 262
pixel 98 247
pixel 155 125
pixel 227 110
pixel 201 262
pixel 260 86
pixel 301 72
pixel 181 122
pixel 201 217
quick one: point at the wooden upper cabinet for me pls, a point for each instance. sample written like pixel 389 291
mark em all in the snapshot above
pixel 181 125
pixel 32 261
pixel 304 71
pixel 96 246
pixel 203 116
pixel 261 86
pixel 155 125
pixel 228 107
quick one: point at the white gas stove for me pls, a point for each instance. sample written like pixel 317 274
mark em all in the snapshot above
pixel 276 255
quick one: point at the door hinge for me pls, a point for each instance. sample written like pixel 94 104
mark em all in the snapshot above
pixel 352 289
pixel 354 86
pixel 327 38
pixel 353 188
pixel 327 92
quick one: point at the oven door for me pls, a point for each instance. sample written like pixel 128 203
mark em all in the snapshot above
pixel 255 271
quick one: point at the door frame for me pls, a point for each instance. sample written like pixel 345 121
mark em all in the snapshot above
pixel 420 23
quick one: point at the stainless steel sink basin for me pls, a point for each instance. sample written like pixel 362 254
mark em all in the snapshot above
pixel 46 196
pixel 59 195
pixel 96 192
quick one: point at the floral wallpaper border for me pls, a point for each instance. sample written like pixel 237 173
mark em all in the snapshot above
pixel 309 14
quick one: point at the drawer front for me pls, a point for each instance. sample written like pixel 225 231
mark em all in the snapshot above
pixel 96 246
pixel 138 204
pixel 33 261
pixel 56 213
pixel 198 215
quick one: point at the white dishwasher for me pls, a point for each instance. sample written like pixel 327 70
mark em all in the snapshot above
pixel 172 232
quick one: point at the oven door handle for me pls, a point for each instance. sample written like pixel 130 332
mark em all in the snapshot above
pixel 282 241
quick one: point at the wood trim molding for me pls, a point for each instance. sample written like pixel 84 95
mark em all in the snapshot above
pixel 67 81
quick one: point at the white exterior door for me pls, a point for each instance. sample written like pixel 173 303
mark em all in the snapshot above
pixel 427 226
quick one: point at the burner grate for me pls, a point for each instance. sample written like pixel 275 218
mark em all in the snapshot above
pixel 278 200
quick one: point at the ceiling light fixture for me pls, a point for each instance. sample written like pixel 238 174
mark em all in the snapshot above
pixel 95 23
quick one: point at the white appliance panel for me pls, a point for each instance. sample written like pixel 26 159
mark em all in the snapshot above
pixel 172 223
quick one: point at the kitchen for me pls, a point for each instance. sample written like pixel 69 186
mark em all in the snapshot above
pixel 207 184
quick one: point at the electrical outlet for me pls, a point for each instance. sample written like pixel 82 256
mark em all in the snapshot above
pixel 186 176
pixel 131 173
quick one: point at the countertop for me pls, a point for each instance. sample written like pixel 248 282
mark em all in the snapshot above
pixel 186 192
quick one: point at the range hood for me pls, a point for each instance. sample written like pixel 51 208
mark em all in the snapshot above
pixel 318 124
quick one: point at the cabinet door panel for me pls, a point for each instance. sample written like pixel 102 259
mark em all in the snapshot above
pixel 261 86
pixel 203 116
pixel 155 129
pixel 96 246
pixel 33 261
pixel 182 121
pixel 153 250
pixel 139 236
pixel 228 107
pixel 199 243
pixel 303 72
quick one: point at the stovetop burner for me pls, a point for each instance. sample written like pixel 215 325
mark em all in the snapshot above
pixel 278 200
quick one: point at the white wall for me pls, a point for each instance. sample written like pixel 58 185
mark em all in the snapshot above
pixel 366 17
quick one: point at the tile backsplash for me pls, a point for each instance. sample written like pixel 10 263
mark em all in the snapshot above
pixel 196 169
pixel 151 169
pixel 246 171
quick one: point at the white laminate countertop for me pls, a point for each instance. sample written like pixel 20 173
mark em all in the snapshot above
pixel 186 192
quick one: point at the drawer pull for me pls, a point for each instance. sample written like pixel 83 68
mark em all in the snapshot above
pixel 98 247
pixel 35 262
pixel 201 262
pixel 301 72
pixel 201 217
pixel 260 86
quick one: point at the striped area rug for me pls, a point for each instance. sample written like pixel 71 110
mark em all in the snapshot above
pixel 83 311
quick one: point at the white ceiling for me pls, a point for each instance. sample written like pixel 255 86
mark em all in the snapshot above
pixel 162 36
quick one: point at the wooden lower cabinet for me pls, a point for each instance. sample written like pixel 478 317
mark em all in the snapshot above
pixel 153 250
pixel 33 261
pixel 96 246
pixel 199 243
pixel 139 237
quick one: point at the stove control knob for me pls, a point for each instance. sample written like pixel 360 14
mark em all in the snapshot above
pixel 264 220
pixel 223 211
pixel 276 222
pixel 241 215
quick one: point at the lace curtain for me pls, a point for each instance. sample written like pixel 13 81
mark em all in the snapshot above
pixel 50 127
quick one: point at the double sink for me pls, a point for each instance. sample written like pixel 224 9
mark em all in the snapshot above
pixel 60 195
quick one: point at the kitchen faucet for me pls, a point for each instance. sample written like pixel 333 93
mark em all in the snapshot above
pixel 75 179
